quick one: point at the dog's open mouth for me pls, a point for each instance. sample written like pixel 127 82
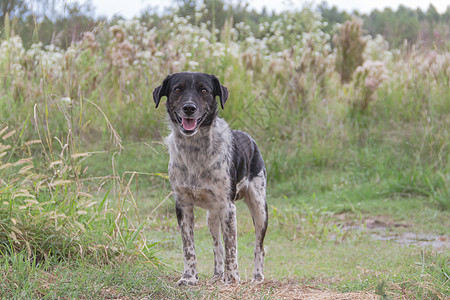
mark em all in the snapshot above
pixel 189 125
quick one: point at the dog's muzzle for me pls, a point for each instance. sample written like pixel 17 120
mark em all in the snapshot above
pixel 189 125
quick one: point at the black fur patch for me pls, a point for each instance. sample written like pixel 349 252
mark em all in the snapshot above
pixel 247 160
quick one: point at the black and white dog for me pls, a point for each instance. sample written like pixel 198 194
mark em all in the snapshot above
pixel 211 166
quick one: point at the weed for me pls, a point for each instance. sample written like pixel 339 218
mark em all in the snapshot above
pixel 381 292
pixel 431 277
pixel 350 46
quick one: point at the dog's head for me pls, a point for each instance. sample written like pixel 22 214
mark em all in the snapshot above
pixel 191 99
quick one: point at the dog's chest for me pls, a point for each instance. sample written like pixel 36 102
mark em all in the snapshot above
pixel 200 176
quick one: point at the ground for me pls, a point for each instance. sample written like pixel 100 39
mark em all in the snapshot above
pixel 313 254
pixel 273 289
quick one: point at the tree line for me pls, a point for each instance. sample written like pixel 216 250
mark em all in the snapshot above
pixel 60 23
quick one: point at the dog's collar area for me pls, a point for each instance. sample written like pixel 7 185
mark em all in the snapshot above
pixel 189 126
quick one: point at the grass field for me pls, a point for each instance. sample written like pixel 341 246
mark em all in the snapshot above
pixel 358 186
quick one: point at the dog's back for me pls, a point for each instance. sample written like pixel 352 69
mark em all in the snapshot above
pixel 247 161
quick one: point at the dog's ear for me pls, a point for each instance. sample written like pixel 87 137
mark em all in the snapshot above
pixel 162 90
pixel 220 90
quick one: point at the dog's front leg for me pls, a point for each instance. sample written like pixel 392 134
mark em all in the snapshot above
pixel 185 216
pixel 229 229
pixel 213 218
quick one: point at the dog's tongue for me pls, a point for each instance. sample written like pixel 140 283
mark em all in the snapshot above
pixel 188 124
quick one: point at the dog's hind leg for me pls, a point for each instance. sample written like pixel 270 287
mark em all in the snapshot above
pixel 256 202
pixel 185 216
pixel 213 218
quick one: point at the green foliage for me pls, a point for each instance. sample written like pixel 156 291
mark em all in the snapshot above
pixel 413 26
pixel 41 21
pixel 395 25
pixel 332 15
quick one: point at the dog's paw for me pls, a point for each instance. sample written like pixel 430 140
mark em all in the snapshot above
pixel 231 278
pixel 258 278
pixel 187 280
pixel 216 278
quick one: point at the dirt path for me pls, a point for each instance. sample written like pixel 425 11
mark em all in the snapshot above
pixel 273 289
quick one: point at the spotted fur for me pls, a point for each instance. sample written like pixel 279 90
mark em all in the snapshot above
pixel 212 166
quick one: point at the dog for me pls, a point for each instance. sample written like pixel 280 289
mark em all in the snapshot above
pixel 212 166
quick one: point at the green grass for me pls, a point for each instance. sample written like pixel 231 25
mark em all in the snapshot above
pixel 80 278
pixel 308 234
pixel 337 258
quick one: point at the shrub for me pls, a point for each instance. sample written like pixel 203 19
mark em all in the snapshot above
pixel 350 45
pixel 368 79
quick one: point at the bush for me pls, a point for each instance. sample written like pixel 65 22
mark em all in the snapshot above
pixel 350 45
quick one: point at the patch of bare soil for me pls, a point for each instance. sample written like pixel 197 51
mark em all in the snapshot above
pixel 382 228
pixel 272 289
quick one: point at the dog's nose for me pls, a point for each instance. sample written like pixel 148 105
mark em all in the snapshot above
pixel 189 108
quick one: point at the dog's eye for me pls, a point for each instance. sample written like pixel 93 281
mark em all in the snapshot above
pixel 204 91
pixel 177 90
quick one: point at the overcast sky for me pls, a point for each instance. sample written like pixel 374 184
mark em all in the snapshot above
pixel 130 8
